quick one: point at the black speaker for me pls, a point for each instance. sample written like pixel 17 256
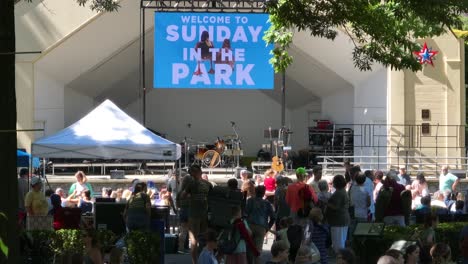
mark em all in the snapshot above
pixel 109 216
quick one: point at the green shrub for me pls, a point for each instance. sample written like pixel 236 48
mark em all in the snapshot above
pixel 106 239
pixel 36 245
pixel 68 241
pixel 143 247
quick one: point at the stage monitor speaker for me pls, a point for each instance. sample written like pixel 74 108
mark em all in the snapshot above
pixel 117 174
pixel 109 216
pixel 369 229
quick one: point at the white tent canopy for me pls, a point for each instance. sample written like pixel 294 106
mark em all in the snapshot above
pixel 106 133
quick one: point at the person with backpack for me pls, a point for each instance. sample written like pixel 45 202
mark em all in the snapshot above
pixel 241 239
pixel 300 197
pixel 260 216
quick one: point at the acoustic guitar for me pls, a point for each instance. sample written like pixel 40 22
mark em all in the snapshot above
pixel 277 162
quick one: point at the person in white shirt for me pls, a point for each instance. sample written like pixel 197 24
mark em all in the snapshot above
pixel 368 186
pixel 378 181
pixel 313 181
pixel 360 198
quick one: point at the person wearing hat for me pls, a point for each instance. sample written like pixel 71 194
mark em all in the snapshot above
pixel 297 195
pixel 35 201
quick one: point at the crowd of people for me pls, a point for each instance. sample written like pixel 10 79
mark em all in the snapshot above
pixel 310 217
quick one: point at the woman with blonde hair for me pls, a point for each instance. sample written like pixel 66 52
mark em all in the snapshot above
pixel 80 185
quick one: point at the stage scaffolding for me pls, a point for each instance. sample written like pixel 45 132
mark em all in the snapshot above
pixel 389 146
pixel 255 6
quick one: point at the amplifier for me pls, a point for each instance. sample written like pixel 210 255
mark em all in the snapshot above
pixel 117 174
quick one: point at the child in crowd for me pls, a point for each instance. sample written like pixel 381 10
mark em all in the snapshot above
pixel 258 180
pixel 279 251
pixel 207 255
pixel 324 193
pixel 319 233
pixel 85 202
pixel 282 233
pixel 306 255
pixel 243 234
pixel 57 211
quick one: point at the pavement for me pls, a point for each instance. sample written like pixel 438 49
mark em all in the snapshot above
pixel 266 255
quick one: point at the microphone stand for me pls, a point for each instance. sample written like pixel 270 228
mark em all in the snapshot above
pixel 186 152
pixel 237 144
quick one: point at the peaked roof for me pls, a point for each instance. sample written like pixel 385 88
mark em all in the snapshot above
pixel 106 133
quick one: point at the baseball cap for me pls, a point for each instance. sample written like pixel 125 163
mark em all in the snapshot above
pixel 35 180
pixel 301 171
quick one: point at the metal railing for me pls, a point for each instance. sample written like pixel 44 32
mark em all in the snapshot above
pixel 388 146
pixel 332 165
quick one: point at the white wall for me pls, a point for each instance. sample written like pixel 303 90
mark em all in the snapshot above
pixel 24 82
pixel 300 124
pixel 49 104
pixel 76 106
pixel 370 109
pixel 42 23
pixel 338 107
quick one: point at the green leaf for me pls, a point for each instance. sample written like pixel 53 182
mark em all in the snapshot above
pixel 382 31
pixel 3 248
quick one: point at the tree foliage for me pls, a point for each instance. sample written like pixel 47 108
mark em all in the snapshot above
pixel 9 190
pixel 382 31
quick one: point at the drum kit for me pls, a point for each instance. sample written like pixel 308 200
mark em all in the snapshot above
pixel 224 152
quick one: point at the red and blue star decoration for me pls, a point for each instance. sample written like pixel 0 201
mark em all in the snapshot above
pixel 426 55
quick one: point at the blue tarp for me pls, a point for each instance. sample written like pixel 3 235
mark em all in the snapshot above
pixel 23 159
